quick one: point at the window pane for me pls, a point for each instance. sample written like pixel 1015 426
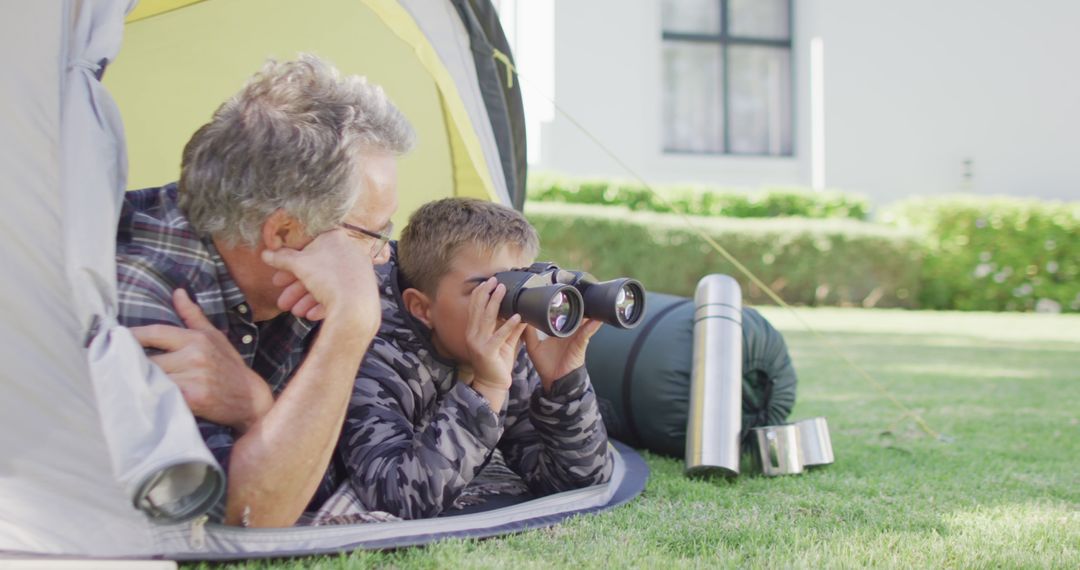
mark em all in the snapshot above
pixel 759 19
pixel 692 16
pixel 760 91
pixel 693 102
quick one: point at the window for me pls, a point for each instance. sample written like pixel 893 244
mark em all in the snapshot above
pixel 727 77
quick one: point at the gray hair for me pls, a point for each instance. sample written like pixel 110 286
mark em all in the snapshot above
pixel 293 138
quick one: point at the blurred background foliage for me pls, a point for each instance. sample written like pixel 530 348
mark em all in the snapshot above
pixel 820 248
pixel 999 254
pixel 699 200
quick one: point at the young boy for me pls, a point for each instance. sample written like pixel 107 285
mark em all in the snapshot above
pixel 446 383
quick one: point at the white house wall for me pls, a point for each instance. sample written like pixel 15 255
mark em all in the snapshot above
pixel 608 75
pixel 912 91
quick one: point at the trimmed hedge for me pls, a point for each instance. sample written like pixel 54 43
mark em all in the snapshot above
pixel 806 261
pixel 700 200
pixel 995 254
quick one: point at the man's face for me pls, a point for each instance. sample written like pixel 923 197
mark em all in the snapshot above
pixel 378 201
pixel 373 208
pixel 372 211
pixel 449 310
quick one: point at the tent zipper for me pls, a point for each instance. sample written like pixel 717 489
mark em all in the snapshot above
pixel 198 532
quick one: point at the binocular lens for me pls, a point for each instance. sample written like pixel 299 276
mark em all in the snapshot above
pixel 626 304
pixel 560 311
pixel 619 302
pixel 556 310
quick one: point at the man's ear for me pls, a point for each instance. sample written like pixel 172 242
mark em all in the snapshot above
pixel 281 230
pixel 418 305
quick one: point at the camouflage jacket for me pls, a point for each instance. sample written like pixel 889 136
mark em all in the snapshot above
pixel 414 437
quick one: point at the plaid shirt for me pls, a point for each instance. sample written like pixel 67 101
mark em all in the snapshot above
pixel 157 251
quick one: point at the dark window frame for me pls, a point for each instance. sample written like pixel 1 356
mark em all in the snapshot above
pixel 724 39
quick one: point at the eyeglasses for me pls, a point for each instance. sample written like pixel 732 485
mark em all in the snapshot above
pixel 380 238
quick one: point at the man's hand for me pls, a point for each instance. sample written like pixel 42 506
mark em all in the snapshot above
pixel 276 467
pixel 332 275
pixel 556 357
pixel 492 347
pixel 214 379
pixel 296 299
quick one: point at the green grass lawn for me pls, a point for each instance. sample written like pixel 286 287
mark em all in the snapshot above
pixel 1002 491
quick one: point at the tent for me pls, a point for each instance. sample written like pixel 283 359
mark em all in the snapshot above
pixel 99 456
pixel 445 64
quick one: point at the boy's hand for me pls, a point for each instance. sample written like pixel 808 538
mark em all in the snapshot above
pixel 492 349
pixel 556 357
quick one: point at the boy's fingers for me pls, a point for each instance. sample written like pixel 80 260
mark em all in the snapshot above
pixel 164 337
pixel 504 332
pixel 477 303
pixel 472 325
pixel 491 310
pixel 190 312
pixel 515 337
pixel 532 340
pixel 478 293
pixel 590 328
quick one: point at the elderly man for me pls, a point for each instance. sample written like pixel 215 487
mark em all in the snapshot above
pixel 283 205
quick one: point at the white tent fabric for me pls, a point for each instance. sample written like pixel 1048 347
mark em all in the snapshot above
pixel 67 411
pixel 157 452
pixel 441 24
pixel 52 449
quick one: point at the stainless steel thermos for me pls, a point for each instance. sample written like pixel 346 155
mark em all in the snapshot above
pixel 715 412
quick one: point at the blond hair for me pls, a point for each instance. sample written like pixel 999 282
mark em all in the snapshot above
pixel 438 230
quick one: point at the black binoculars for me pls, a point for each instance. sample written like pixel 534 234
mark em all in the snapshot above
pixel 556 300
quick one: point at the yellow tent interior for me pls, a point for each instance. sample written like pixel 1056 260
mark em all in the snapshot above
pixel 182 58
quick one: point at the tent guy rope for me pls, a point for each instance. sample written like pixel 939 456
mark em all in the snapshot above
pixel 862 372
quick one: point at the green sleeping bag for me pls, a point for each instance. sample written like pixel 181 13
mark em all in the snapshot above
pixel 642 376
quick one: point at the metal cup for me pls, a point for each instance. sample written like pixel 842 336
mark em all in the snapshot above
pixel 816 444
pixel 777 450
